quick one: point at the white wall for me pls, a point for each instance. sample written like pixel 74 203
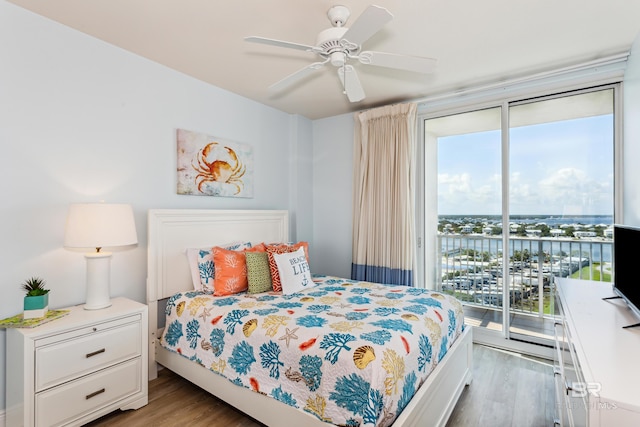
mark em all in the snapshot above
pixel 332 192
pixel 631 172
pixel 83 121
pixel 300 191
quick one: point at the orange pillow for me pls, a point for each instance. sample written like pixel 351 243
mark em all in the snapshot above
pixel 231 270
pixel 281 248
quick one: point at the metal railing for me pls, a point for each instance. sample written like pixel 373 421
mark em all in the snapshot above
pixel 472 268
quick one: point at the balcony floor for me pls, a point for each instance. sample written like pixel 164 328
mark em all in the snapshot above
pixel 539 329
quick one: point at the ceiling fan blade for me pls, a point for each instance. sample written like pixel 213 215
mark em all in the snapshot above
pixel 298 75
pixel 351 83
pixel 280 43
pixel 367 24
pixel 417 64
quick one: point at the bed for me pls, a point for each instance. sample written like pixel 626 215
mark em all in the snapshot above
pixel 172 231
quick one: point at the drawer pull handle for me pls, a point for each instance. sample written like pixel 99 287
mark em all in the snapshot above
pixel 95 393
pixel 94 353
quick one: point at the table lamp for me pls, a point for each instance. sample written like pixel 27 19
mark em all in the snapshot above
pixel 98 226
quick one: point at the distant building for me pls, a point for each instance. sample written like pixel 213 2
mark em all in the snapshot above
pixel 533 232
pixel 584 234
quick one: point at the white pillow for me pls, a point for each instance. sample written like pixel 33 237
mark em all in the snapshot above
pixel 294 271
pixel 192 257
pixel 199 257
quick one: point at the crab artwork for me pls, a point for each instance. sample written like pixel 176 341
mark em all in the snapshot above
pixel 212 166
pixel 218 163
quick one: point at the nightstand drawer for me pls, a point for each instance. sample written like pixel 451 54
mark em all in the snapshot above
pixel 73 358
pixel 78 398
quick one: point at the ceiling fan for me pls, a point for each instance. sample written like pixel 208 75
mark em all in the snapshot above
pixel 338 45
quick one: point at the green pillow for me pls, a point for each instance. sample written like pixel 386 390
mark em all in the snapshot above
pixel 258 273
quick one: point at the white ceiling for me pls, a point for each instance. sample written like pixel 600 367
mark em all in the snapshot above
pixel 475 42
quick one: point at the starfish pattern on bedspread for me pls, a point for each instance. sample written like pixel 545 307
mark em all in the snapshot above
pixel 351 353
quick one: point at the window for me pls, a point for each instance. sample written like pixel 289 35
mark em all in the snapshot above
pixel 534 176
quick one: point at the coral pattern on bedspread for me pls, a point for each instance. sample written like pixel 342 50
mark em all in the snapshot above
pixel 351 353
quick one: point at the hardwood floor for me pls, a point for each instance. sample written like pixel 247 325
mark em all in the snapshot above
pixel 174 401
pixel 507 390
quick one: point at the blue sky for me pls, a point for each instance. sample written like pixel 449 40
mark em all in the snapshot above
pixel 557 168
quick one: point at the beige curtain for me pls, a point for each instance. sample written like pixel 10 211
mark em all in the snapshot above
pixel 384 195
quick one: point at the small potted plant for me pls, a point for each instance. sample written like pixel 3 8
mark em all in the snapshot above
pixel 36 301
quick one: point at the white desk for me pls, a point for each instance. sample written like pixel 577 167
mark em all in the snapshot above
pixel 598 371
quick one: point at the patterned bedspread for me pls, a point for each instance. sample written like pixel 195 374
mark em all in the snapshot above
pixel 351 353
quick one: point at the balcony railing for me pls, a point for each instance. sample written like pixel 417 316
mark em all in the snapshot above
pixel 472 268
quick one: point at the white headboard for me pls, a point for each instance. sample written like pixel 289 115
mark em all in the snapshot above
pixel 172 231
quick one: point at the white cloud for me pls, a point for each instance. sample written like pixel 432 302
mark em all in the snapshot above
pixel 564 190
pixel 458 192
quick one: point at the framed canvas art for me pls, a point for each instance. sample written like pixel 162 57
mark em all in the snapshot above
pixel 212 166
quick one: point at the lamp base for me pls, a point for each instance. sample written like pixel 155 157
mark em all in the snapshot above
pixel 99 307
pixel 98 280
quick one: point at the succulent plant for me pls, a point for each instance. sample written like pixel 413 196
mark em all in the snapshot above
pixel 34 287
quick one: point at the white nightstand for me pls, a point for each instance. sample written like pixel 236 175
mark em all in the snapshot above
pixel 79 367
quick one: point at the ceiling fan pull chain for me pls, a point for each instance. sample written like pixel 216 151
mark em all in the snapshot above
pixel 344 74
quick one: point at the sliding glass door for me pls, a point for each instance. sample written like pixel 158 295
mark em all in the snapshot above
pixel 516 196
pixel 469 199
pixel 561 199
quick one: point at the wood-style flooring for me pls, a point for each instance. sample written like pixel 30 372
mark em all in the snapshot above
pixel 507 390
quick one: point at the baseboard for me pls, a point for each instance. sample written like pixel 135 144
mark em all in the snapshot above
pixel 495 339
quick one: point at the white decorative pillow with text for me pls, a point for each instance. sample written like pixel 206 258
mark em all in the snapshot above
pixel 294 271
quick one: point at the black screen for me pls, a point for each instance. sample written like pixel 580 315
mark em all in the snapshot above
pixel 626 277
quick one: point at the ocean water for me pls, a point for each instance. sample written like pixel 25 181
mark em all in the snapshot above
pixel 551 220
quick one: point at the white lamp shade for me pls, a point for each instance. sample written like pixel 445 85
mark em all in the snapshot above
pixel 100 225
pixel 97 226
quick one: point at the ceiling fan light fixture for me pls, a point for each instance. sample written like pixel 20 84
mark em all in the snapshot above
pixel 338 59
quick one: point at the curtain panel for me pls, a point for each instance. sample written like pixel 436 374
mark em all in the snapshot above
pixel 384 195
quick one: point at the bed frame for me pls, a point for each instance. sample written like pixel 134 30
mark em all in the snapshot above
pixel 171 231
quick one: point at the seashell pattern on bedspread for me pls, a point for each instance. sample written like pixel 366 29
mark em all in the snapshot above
pixel 348 352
